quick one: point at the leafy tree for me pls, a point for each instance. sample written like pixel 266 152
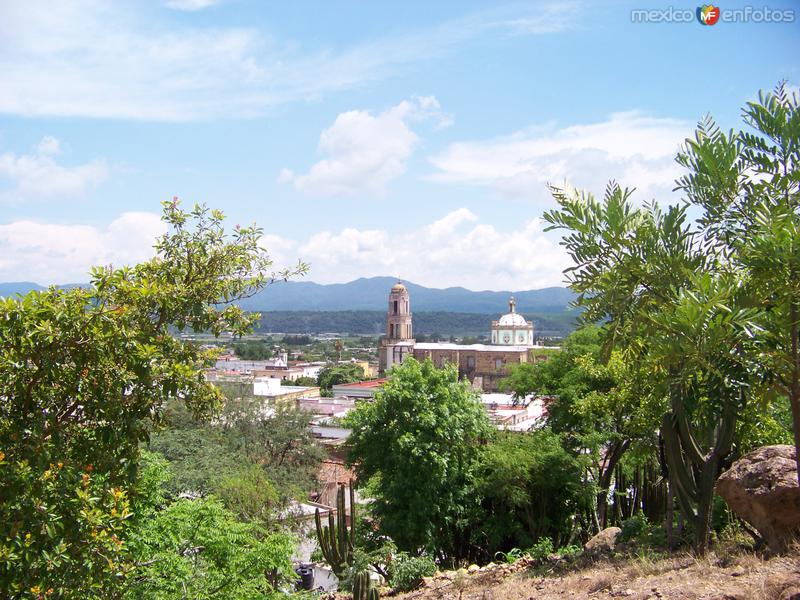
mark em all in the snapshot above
pixel 197 548
pixel 415 446
pixel 697 307
pixel 253 350
pixel 596 403
pixel 84 375
pixel 337 374
pixel 531 488
pixel 748 186
pixel 276 438
pixel 302 381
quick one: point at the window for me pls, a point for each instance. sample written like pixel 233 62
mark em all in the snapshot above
pixel 470 362
pixel 395 307
pixel 498 364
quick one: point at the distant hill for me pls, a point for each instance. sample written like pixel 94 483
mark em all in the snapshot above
pixel 373 322
pixel 371 294
pixel 18 287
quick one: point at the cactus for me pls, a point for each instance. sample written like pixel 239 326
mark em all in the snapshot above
pixel 336 540
pixel 362 588
pixel 692 472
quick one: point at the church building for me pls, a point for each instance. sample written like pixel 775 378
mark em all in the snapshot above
pixel 484 365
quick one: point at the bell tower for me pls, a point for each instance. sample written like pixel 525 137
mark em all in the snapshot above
pixel 398 343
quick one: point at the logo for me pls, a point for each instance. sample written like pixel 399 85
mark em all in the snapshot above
pixel 708 14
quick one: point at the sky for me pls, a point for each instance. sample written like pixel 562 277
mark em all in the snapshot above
pixel 409 139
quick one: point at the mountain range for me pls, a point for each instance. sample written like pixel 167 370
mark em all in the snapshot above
pixel 371 293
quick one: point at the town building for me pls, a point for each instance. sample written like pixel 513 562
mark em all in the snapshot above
pixel 484 365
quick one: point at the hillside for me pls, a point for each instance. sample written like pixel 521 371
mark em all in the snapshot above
pixel 735 576
pixel 373 322
pixel 370 294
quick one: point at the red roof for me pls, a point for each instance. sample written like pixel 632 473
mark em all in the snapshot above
pixel 363 384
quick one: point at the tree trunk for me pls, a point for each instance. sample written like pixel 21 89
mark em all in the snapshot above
pixel 615 452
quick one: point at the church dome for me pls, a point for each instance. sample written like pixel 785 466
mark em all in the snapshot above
pixel 398 287
pixel 513 319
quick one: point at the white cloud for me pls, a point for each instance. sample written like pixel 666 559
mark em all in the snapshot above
pixel 50 253
pixel 635 149
pixel 38 175
pixel 364 152
pixel 457 249
pixel 91 58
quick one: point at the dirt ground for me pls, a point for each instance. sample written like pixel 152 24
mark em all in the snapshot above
pixel 742 576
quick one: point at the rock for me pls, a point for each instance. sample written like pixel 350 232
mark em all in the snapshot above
pixel 603 543
pixel 473 569
pixel 761 488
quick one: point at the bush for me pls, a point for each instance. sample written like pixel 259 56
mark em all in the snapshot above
pixel 635 528
pixel 407 571
pixel 541 549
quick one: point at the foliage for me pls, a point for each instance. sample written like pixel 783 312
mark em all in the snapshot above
pixel 278 439
pixel 337 374
pixel 197 548
pixel 697 308
pixel 428 323
pixel 84 374
pixel 407 571
pixel 415 445
pixel 253 350
pixel 530 488
pixel 541 549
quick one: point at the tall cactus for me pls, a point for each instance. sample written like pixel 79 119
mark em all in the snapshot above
pixel 336 540
pixel 693 472
pixel 362 588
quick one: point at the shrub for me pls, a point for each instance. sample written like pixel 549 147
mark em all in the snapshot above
pixel 541 549
pixel 407 571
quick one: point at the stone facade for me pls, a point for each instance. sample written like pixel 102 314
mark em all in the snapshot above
pixel 398 343
pixel 483 365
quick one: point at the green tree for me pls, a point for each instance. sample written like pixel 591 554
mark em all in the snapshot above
pixel 531 488
pixel 415 446
pixel 699 307
pixel 84 376
pixel 595 401
pixel 748 186
pixel 337 374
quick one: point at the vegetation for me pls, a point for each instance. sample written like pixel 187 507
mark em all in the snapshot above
pixel 84 376
pixel 337 374
pixel 428 323
pixel 690 305
pixel 414 447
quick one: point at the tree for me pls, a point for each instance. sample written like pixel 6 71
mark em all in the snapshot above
pixel 415 448
pixel 595 402
pixel 531 488
pixel 337 374
pixel 747 184
pixel 197 548
pixel 84 376
pixel 698 307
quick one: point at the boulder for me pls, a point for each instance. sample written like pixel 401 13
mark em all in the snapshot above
pixel 761 488
pixel 603 543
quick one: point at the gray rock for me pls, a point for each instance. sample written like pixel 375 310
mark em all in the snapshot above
pixel 603 543
pixel 761 488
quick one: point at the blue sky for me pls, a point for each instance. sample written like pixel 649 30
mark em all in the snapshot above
pixel 412 139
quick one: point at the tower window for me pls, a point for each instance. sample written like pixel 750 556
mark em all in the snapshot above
pixel 395 307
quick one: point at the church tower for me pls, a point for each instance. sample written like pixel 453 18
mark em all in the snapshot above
pixel 398 343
